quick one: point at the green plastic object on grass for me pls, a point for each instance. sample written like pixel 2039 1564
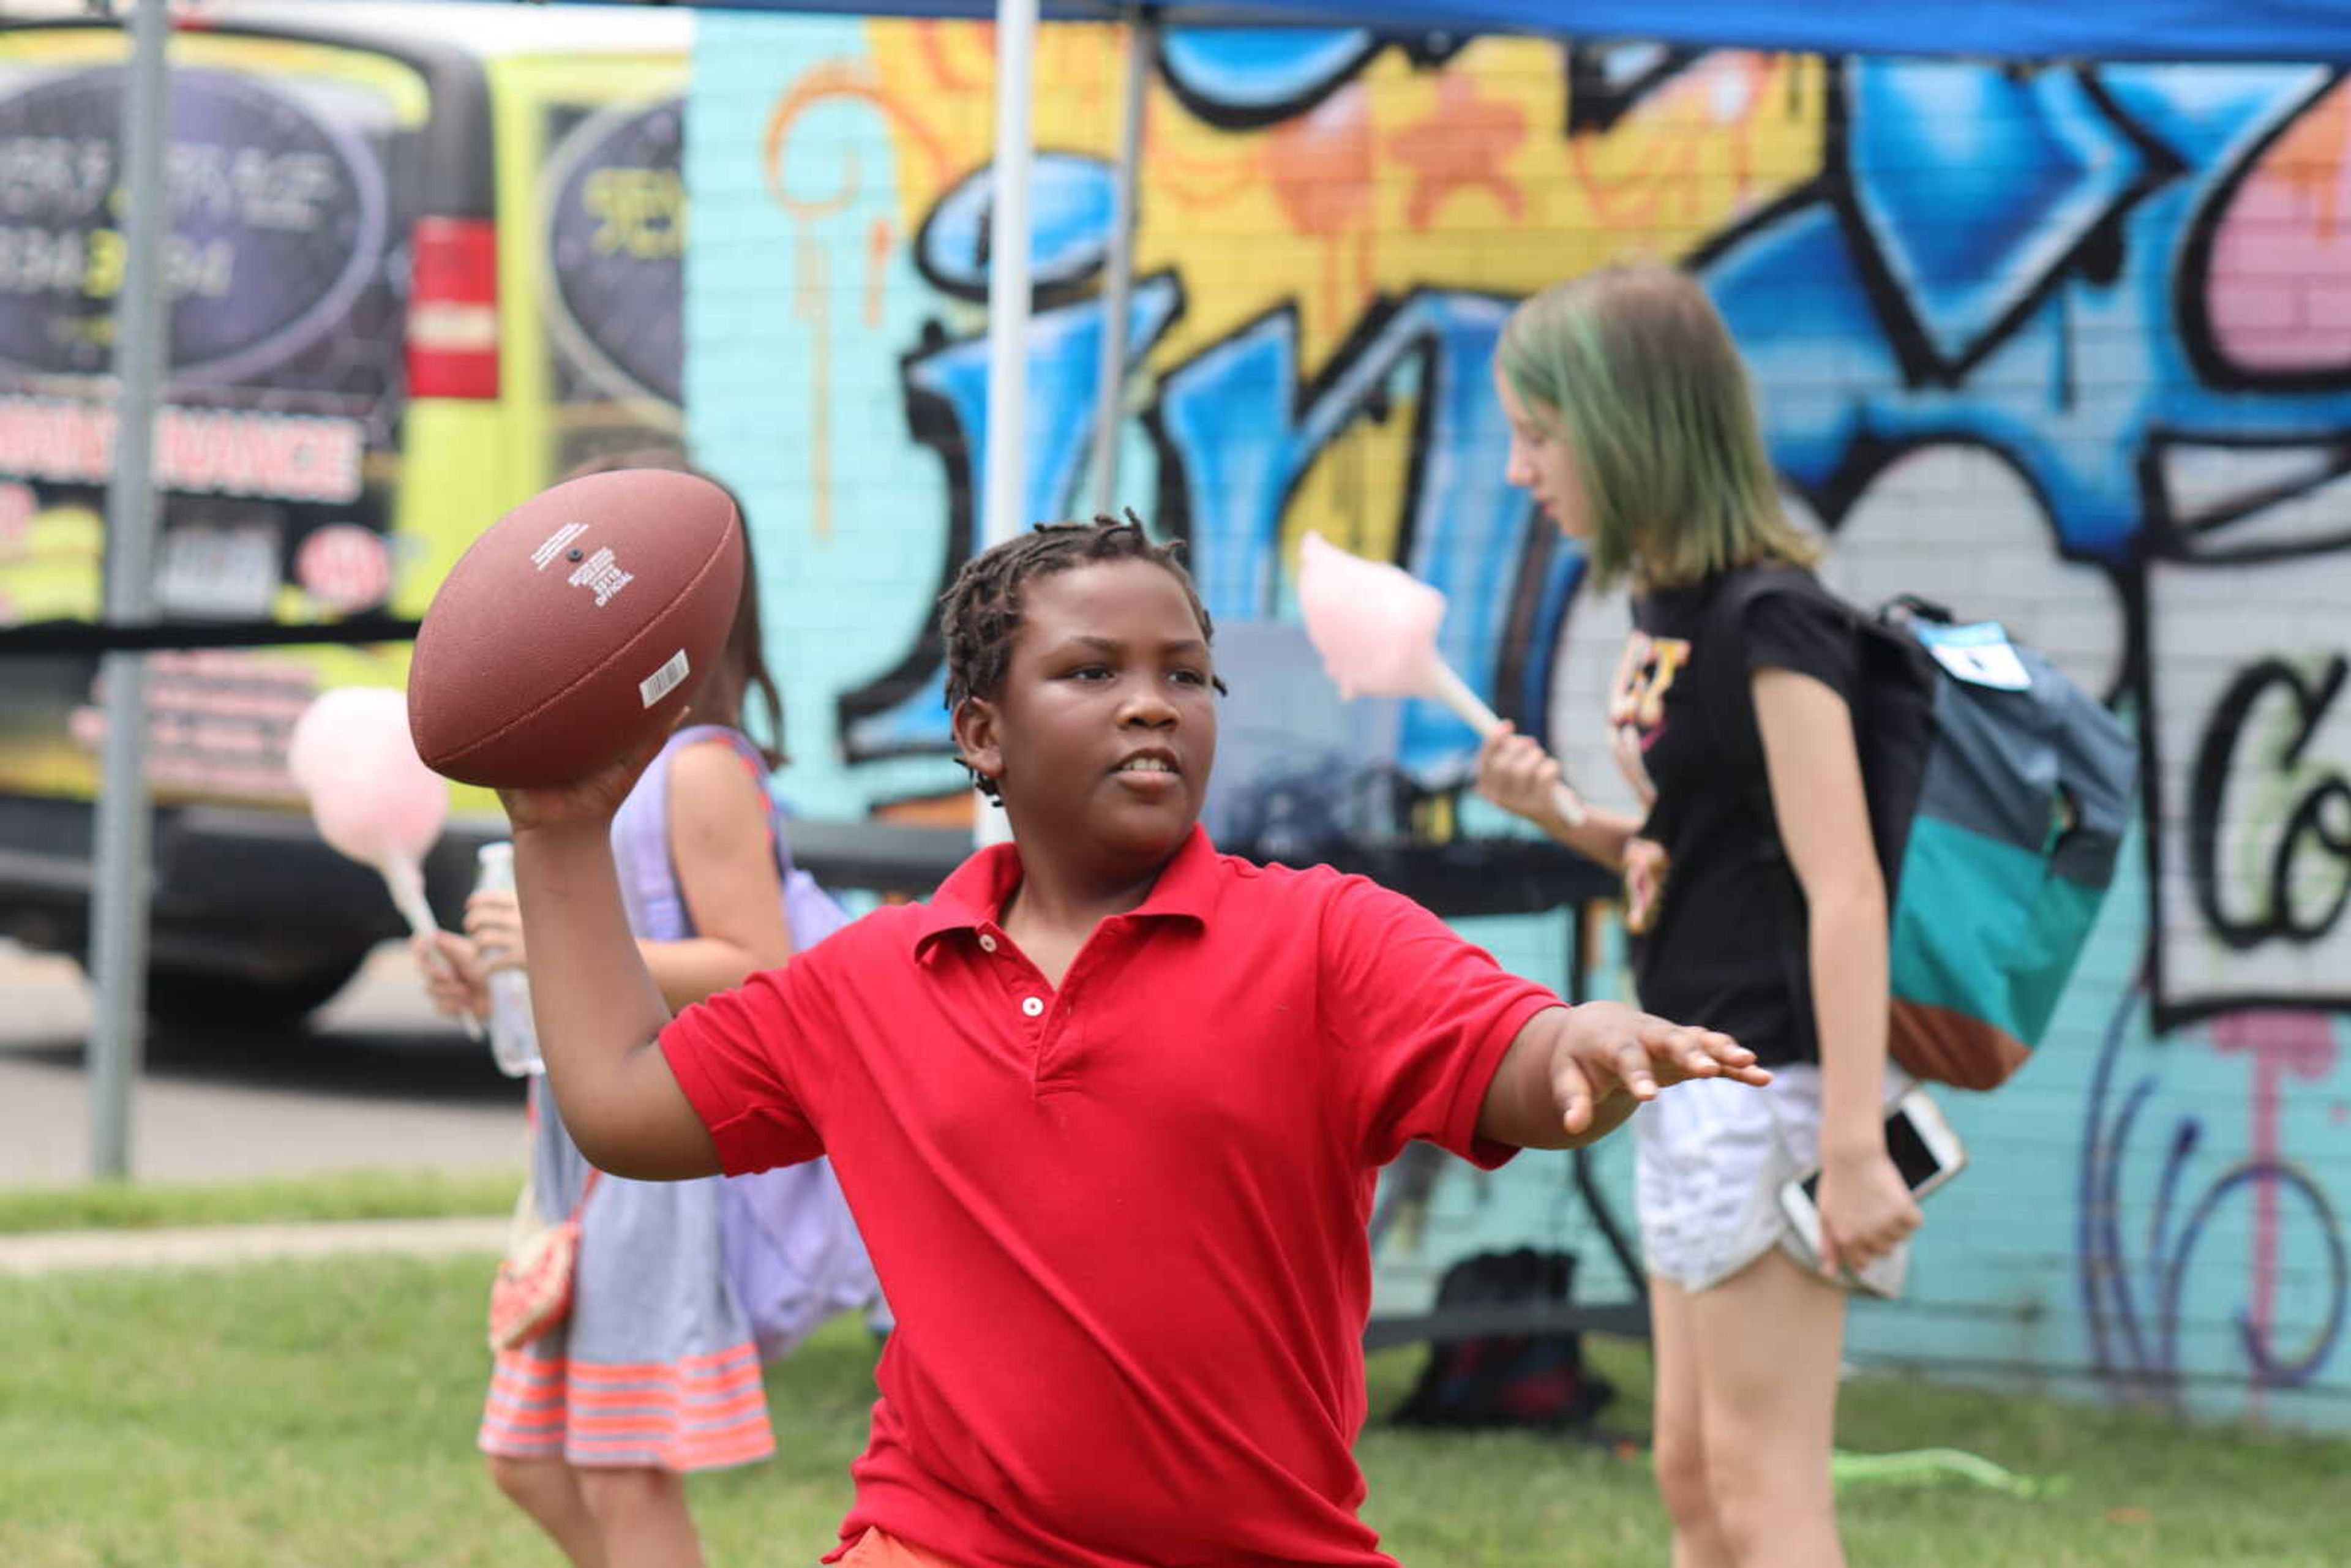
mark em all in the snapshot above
pixel 1931 1466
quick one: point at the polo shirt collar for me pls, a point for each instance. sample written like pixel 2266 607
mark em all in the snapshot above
pixel 975 892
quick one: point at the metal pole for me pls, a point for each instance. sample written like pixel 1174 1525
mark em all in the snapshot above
pixel 1118 283
pixel 1007 274
pixel 122 876
pixel 1008 304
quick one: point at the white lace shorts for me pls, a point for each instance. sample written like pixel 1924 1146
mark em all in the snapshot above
pixel 1713 1155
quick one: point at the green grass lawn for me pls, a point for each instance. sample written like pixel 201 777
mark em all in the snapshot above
pixel 335 1194
pixel 322 1416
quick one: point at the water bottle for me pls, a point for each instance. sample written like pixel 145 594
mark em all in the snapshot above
pixel 514 1039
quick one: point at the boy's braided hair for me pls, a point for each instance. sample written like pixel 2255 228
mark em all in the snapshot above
pixel 980 611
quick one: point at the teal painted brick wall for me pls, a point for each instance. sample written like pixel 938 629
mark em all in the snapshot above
pixel 2070 349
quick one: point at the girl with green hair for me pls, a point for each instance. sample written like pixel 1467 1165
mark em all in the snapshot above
pixel 1755 902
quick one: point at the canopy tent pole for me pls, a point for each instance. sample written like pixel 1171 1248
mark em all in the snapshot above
pixel 1007 273
pixel 1008 304
pixel 123 876
pixel 1118 283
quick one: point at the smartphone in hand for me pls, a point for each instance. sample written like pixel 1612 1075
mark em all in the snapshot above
pixel 1923 1148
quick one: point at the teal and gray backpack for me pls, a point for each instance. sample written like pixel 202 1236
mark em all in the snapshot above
pixel 1999 792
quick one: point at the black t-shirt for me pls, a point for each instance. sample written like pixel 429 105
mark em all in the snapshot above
pixel 1727 947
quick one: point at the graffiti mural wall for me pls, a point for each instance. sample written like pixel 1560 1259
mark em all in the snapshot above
pixel 2070 348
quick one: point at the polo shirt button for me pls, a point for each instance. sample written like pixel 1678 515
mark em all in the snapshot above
pixel 987 943
pixel 1033 1005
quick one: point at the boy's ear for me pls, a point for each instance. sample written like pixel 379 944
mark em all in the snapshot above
pixel 978 741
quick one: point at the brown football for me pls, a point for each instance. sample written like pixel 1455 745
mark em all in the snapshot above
pixel 575 628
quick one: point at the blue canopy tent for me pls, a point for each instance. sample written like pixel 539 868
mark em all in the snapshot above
pixel 2294 30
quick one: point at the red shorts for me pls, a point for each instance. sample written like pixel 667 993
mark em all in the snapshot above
pixel 876 1550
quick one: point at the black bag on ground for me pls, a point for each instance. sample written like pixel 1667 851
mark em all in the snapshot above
pixel 1507 1379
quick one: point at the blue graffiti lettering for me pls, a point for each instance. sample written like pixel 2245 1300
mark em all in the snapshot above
pixel 1244 433
pixel 1238 77
pixel 947 388
pixel 2134 1299
pixel 1871 344
pixel 1069 199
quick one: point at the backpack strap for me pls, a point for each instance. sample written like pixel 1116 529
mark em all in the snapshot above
pixel 811 912
pixel 641 851
pixel 1905 608
pixel 641 836
pixel 1723 637
pixel 1892 702
pixel 1725 615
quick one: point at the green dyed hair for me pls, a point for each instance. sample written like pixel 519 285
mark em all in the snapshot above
pixel 1634 369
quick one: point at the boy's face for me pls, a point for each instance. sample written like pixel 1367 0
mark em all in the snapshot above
pixel 1103 732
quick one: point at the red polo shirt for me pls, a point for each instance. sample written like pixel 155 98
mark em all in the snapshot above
pixel 1122 1224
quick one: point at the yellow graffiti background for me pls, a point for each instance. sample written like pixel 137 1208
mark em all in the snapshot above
pixel 1463 176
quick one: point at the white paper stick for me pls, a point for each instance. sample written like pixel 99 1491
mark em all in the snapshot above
pixel 1455 693
pixel 405 878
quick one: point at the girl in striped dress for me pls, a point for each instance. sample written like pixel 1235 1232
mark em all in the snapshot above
pixel 592 1427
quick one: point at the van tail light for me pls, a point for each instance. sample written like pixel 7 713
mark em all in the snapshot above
pixel 453 309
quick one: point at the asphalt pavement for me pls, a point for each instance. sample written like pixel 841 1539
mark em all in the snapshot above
pixel 373 1081
pixel 207 1246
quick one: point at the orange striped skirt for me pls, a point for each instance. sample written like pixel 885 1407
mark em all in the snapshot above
pixel 698 1413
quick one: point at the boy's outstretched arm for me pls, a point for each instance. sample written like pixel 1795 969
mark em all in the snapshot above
pixel 1574 1074
pixel 595 1004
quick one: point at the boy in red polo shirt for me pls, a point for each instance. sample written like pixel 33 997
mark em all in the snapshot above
pixel 1108 1107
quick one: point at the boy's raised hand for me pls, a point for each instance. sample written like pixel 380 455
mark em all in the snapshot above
pixel 594 798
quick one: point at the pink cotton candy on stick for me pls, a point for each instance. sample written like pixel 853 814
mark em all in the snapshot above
pixel 370 795
pixel 1375 626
